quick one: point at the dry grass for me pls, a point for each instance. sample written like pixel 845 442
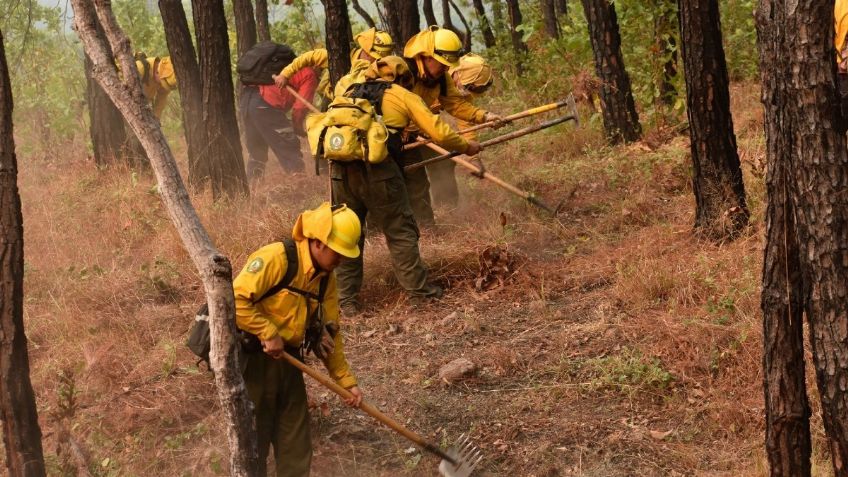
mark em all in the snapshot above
pixel 623 345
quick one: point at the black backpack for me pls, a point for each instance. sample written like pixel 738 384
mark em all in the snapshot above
pixel 198 337
pixel 263 60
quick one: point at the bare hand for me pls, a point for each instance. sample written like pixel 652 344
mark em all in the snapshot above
pixel 474 148
pixel 356 399
pixel 328 344
pixel 499 120
pixel 273 347
pixel 281 81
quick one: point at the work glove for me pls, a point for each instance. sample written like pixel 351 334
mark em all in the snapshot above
pixel 328 342
pixel 281 81
pixel 474 148
pixel 500 121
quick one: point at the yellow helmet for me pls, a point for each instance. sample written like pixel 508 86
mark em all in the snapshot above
pixel 439 43
pixel 376 43
pixel 335 226
pixel 474 73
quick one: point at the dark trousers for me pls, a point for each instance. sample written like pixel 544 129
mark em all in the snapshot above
pixel 267 127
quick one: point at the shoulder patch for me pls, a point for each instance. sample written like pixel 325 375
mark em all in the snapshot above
pixel 255 265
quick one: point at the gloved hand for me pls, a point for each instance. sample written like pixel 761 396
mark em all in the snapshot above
pixel 500 121
pixel 328 343
pixel 281 81
pixel 474 147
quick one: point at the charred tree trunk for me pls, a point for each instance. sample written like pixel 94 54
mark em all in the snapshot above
pixel 191 94
pixel 223 153
pixel 363 13
pixel 339 37
pixel 447 21
pixel 429 14
pixel 466 37
pixel 549 16
pixel 485 28
pixel 245 25
pixel 518 45
pixel 21 434
pixel 720 210
pixel 621 122
pixel 214 268
pixel 263 28
pixel 803 143
pixel 403 20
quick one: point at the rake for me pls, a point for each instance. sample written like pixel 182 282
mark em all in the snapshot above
pixel 458 461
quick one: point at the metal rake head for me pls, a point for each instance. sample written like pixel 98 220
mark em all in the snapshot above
pixel 466 456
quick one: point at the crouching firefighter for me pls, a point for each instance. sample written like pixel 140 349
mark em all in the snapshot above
pixel 360 136
pixel 286 296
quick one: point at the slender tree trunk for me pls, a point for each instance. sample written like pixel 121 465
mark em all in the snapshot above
pixel 485 27
pixel 223 153
pixel 106 126
pixel 214 268
pixel 187 70
pixel 717 179
pixel 666 44
pixel 621 122
pixel 21 434
pixel 339 37
pixel 245 25
pixel 562 9
pixel 447 21
pixel 466 37
pixel 363 13
pixel 518 45
pixel 429 14
pixel 801 101
pixel 263 28
pixel 549 16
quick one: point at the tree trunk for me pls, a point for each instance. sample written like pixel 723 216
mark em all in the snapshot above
pixel 245 25
pixel 339 37
pixel 223 151
pixel 466 37
pixel 801 101
pixel 363 13
pixel 720 210
pixel 550 19
pixel 263 28
pixel 214 268
pixel 621 122
pixel 403 20
pixel 191 94
pixel 106 126
pixel 561 9
pixel 447 21
pixel 485 27
pixel 518 45
pixel 666 44
pixel 429 15
pixel 21 434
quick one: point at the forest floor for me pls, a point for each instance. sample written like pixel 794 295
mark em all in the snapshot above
pixel 619 343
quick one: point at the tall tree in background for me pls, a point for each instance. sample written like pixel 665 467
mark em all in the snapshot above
pixel 485 28
pixel 720 209
pixel 403 20
pixel 621 122
pixel 562 9
pixel 245 25
pixel 106 126
pixel 19 415
pixel 804 265
pixel 549 16
pixel 214 268
pixel 263 27
pixel 187 70
pixel 429 15
pixel 466 37
pixel 339 37
pixel 665 40
pixel 223 155
pixel 518 45
pixel 363 13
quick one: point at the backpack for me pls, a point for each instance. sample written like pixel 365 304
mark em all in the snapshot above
pixel 352 128
pixel 199 337
pixel 263 60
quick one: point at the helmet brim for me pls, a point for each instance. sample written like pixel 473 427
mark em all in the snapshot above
pixel 349 252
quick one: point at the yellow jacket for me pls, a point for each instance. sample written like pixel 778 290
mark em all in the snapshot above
pixel 453 101
pixel 840 20
pixel 285 313
pixel 320 58
pixel 159 82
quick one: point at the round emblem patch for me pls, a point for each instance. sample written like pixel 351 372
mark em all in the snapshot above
pixel 336 141
pixel 255 265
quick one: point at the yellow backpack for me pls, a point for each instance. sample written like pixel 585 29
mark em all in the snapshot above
pixel 352 129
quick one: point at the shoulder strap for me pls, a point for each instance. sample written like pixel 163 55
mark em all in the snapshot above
pixel 372 91
pixel 292 264
pixel 443 85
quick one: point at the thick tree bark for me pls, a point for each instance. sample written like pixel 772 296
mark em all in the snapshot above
pixel 363 14
pixel 800 98
pixel 191 94
pixel 485 27
pixel 339 37
pixel 429 14
pixel 549 17
pixel 263 28
pixel 518 45
pixel 214 268
pixel 621 122
pixel 720 210
pixel 21 434
pixel 403 20
pixel 245 25
pixel 106 126
pixel 223 154
pixel 466 37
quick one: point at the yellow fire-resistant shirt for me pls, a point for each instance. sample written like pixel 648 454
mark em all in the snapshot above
pixel 285 313
pixel 403 108
pixel 840 20
pixel 157 91
pixel 453 101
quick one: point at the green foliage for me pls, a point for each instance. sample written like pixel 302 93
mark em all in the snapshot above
pixel 301 27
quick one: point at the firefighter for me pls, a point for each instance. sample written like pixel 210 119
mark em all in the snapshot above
pixel 157 80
